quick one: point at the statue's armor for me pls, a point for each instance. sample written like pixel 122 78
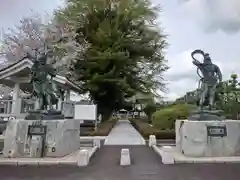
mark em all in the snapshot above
pixel 42 85
pixel 209 74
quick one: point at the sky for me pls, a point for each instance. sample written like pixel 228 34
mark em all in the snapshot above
pixel 211 25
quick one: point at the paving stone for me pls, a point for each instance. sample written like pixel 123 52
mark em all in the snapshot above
pixel 123 133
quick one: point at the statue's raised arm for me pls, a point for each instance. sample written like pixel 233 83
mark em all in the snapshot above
pixel 195 61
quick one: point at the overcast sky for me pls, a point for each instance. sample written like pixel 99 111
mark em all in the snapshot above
pixel 211 25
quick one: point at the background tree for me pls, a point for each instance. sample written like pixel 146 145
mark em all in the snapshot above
pixel 149 109
pixel 122 49
pixel 32 36
pixel 229 98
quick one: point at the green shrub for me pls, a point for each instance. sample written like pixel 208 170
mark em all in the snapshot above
pixel 164 119
pixel 146 130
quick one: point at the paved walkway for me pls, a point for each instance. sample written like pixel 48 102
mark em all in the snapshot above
pixel 124 133
pixel 146 165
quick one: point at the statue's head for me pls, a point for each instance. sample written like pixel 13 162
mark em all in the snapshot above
pixel 207 59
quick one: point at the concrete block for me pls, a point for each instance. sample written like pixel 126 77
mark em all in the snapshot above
pixel 62 138
pixel 125 157
pixel 193 138
pixel 167 157
pixel 152 140
pixel 83 158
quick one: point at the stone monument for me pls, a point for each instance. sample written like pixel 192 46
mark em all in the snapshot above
pixel 206 132
pixel 46 138
pixel 44 132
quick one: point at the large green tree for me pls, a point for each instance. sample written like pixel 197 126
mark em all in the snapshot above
pixel 122 49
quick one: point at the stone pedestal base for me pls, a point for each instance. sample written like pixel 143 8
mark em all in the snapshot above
pixel 208 138
pixel 62 138
pixel 206 115
pixel 44 115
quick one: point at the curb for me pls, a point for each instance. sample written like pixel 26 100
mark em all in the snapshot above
pixel 167 157
pixel 94 149
pixel 36 163
pixel 207 161
pixel 84 156
pixel 42 162
pixel 171 158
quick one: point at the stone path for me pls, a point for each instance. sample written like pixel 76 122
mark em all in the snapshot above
pixel 124 133
pixel 105 166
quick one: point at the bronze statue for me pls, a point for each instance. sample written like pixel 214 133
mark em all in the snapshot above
pixel 43 87
pixel 211 77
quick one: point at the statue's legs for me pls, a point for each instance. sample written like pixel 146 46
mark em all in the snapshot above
pixel 204 91
pixel 212 91
pixel 49 101
pixel 41 105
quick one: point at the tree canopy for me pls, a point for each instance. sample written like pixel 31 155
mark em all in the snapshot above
pixel 121 49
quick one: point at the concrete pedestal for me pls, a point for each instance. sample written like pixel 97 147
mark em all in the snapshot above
pixel 62 138
pixel 197 138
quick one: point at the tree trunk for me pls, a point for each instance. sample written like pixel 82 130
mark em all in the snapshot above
pixel 106 113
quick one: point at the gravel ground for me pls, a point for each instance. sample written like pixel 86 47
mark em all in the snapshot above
pixel 146 165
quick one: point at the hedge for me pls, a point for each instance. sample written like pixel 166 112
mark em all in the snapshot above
pixel 146 130
pixel 164 119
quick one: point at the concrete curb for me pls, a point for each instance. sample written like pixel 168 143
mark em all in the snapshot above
pixel 167 157
pixel 80 137
pixel 95 148
pixel 93 137
pixel 171 157
pixel 213 160
pixel 35 162
pixel 84 156
pixel 44 162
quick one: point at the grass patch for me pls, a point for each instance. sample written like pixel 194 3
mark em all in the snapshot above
pixel 145 129
pixel 103 129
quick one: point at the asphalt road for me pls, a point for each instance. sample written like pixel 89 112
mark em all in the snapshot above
pixel 146 165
